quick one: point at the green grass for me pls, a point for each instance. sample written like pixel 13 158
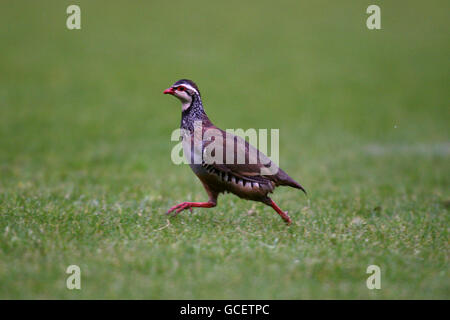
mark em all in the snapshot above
pixel 85 170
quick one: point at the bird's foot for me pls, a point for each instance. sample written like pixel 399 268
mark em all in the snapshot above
pixel 286 218
pixel 179 207
pixel 189 205
pixel 283 214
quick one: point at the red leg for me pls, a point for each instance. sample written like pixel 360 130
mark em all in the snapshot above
pixel 188 205
pixel 283 214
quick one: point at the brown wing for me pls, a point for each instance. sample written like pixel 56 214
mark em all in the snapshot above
pixel 241 159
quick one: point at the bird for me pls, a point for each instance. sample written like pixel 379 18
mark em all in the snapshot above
pixel 245 179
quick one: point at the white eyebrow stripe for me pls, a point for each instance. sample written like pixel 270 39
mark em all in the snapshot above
pixel 188 86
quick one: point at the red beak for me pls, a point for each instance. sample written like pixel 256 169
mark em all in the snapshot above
pixel 169 91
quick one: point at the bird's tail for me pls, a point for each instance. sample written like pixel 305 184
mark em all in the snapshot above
pixel 285 180
pixel 295 184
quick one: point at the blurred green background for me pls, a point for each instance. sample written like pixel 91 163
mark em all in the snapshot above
pixel 85 169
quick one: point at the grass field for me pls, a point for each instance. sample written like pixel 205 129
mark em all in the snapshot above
pixel 86 175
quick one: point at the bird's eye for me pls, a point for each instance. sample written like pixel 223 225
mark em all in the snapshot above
pixel 180 88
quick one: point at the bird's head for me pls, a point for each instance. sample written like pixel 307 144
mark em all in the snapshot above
pixel 186 91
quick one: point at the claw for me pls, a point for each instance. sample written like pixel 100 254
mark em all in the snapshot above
pixel 288 220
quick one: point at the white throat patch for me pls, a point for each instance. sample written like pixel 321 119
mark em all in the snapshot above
pixel 185 105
